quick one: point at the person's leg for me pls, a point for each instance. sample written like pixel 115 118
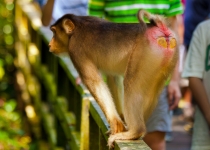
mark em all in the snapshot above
pixel 200 136
pixel 159 123
pixel 155 140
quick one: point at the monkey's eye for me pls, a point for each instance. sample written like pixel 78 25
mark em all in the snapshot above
pixel 53 30
pixel 54 33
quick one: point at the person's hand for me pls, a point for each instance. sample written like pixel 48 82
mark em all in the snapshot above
pixel 174 94
pixel 78 80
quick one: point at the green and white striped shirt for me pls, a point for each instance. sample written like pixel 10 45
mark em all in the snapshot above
pixel 125 11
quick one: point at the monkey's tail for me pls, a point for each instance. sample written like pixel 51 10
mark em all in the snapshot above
pixel 156 20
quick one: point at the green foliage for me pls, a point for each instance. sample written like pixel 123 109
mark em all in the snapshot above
pixel 11 134
pixel 6 49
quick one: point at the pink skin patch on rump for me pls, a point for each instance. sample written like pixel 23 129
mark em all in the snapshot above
pixel 163 38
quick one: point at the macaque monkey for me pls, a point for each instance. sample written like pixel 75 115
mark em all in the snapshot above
pixel 144 53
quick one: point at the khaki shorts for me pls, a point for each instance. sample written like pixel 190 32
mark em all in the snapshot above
pixel 161 118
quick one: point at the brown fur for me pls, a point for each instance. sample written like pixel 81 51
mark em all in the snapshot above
pixel 129 50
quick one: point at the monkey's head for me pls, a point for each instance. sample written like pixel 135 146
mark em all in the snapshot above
pixel 62 31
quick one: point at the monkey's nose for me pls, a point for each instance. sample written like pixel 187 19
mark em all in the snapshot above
pixel 49 45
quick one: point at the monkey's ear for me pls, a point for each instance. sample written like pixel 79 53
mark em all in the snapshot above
pixel 68 26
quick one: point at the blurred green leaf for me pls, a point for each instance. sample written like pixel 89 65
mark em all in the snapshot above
pixel 10 105
pixel 10 6
pixel 2 72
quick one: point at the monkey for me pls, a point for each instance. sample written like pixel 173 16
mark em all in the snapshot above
pixel 144 53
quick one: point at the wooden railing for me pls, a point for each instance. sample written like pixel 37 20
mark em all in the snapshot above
pixel 59 112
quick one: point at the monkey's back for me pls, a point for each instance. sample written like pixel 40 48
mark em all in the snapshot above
pixel 106 40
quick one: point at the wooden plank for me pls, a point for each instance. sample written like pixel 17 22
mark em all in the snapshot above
pixel 84 139
pixel 131 145
pixel 94 134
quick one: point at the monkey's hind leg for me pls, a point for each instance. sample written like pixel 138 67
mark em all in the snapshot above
pixel 135 99
pixel 134 119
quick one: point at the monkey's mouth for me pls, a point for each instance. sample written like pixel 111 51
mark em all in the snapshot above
pixel 52 50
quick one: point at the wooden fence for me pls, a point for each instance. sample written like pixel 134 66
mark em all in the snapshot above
pixel 59 112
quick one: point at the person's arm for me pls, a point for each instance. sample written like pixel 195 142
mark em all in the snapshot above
pixel 174 92
pixel 201 98
pixel 47 10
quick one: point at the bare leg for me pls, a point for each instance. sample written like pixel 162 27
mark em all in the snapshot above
pixel 155 140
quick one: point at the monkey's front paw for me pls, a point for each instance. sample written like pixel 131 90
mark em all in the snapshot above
pixel 117 126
